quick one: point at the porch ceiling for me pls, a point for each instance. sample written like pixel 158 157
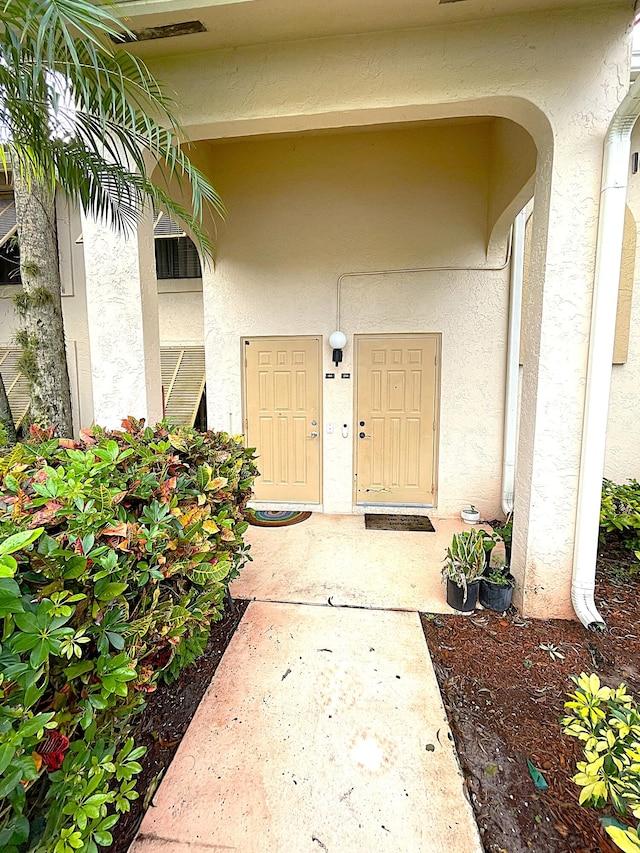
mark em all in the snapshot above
pixel 230 23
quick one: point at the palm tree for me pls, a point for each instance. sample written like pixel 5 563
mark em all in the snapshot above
pixel 81 115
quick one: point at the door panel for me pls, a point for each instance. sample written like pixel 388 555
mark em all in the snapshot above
pixel 282 416
pixel 396 419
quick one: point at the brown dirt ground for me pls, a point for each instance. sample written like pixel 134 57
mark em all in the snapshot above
pixel 504 695
pixel 164 721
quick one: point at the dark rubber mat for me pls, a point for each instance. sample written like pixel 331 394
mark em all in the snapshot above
pixel 375 521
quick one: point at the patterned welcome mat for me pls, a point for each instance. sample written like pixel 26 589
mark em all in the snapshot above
pixel 376 521
pixel 274 517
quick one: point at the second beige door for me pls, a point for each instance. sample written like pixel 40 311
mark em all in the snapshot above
pixel 396 419
pixel 282 416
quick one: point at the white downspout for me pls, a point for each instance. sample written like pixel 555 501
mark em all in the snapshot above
pixel 613 196
pixel 513 363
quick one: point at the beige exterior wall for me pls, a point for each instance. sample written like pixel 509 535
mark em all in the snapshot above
pixel 305 210
pixel 180 312
pixel 538 68
pixel 74 307
pixel 623 433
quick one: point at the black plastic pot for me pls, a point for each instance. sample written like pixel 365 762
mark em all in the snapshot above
pixel 496 596
pixel 455 596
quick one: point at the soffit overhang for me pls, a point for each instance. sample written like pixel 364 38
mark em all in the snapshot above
pixel 234 23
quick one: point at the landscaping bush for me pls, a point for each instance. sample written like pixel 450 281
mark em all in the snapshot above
pixel 620 513
pixel 115 555
pixel 607 722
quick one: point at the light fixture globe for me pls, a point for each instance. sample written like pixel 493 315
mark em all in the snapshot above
pixel 337 340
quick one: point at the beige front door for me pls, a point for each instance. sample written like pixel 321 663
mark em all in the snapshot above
pixel 282 416
pixel 396 419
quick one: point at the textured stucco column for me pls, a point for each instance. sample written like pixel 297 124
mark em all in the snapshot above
pixel 122 311
pixel 556 322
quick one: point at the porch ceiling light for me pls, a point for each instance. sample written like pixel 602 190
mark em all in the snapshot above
pixel 337 340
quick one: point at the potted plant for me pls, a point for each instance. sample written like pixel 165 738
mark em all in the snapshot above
pixel 489 542
pixel 496 589
pixel 470 515
pixel 463 565
pixel 504 531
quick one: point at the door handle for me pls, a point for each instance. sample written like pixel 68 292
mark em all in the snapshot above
pixel 363 435
pixel 313 435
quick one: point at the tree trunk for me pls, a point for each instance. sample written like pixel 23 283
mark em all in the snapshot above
pixel 43 360
pixel 6 418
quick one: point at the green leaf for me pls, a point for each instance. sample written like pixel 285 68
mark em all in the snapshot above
pixel 40 653
pixel 27 622
pixel 24 642
pixel 10 601
pixel 205 573
pixel 75 567
pixel 626 839
pixel 15 832
pixel 19 825
pixel 33 693
pixel 538 779
pixel 111 590
pixel 116 640
pixel 7 751
pixel 77 669
pixel 20 540
pixel 9 782
pixel 88 542
pixel 12 484
pixel 35 724
pixel 8 566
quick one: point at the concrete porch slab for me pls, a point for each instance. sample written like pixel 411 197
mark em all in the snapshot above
pixel 322 730
pixel 335 557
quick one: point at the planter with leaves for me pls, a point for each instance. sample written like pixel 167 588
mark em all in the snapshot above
pixel 489 542
pixel 470 515
pixel 496 590
pixel 504 532
pixel 463 566
pixel 115 555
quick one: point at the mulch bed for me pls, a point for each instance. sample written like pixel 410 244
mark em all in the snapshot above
pixel 162 724
pixel 504 695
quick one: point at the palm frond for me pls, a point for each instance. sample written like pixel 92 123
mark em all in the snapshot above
pixel 78 110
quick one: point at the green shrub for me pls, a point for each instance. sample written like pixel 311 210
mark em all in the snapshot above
pixel 115 554
pixel 620 512
pixel 607 722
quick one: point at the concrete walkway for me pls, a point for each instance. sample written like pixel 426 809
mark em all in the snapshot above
pixel 335 557
pixel 322 730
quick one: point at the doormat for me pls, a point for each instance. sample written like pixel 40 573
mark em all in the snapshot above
pixel 274 517
pixel 374 521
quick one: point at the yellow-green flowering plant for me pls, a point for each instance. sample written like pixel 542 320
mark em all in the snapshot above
pixel 607 722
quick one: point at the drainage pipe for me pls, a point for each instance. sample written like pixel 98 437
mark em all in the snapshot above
pixel 613 196
pixel 513 363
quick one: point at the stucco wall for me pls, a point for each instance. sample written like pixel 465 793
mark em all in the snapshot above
pixel 304 210
pixel 181 317
pixel 74 308
pixel 554 60
pixel 623 432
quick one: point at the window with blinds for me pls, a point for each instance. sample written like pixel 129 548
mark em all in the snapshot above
pixel 183 381
pixel 176 254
